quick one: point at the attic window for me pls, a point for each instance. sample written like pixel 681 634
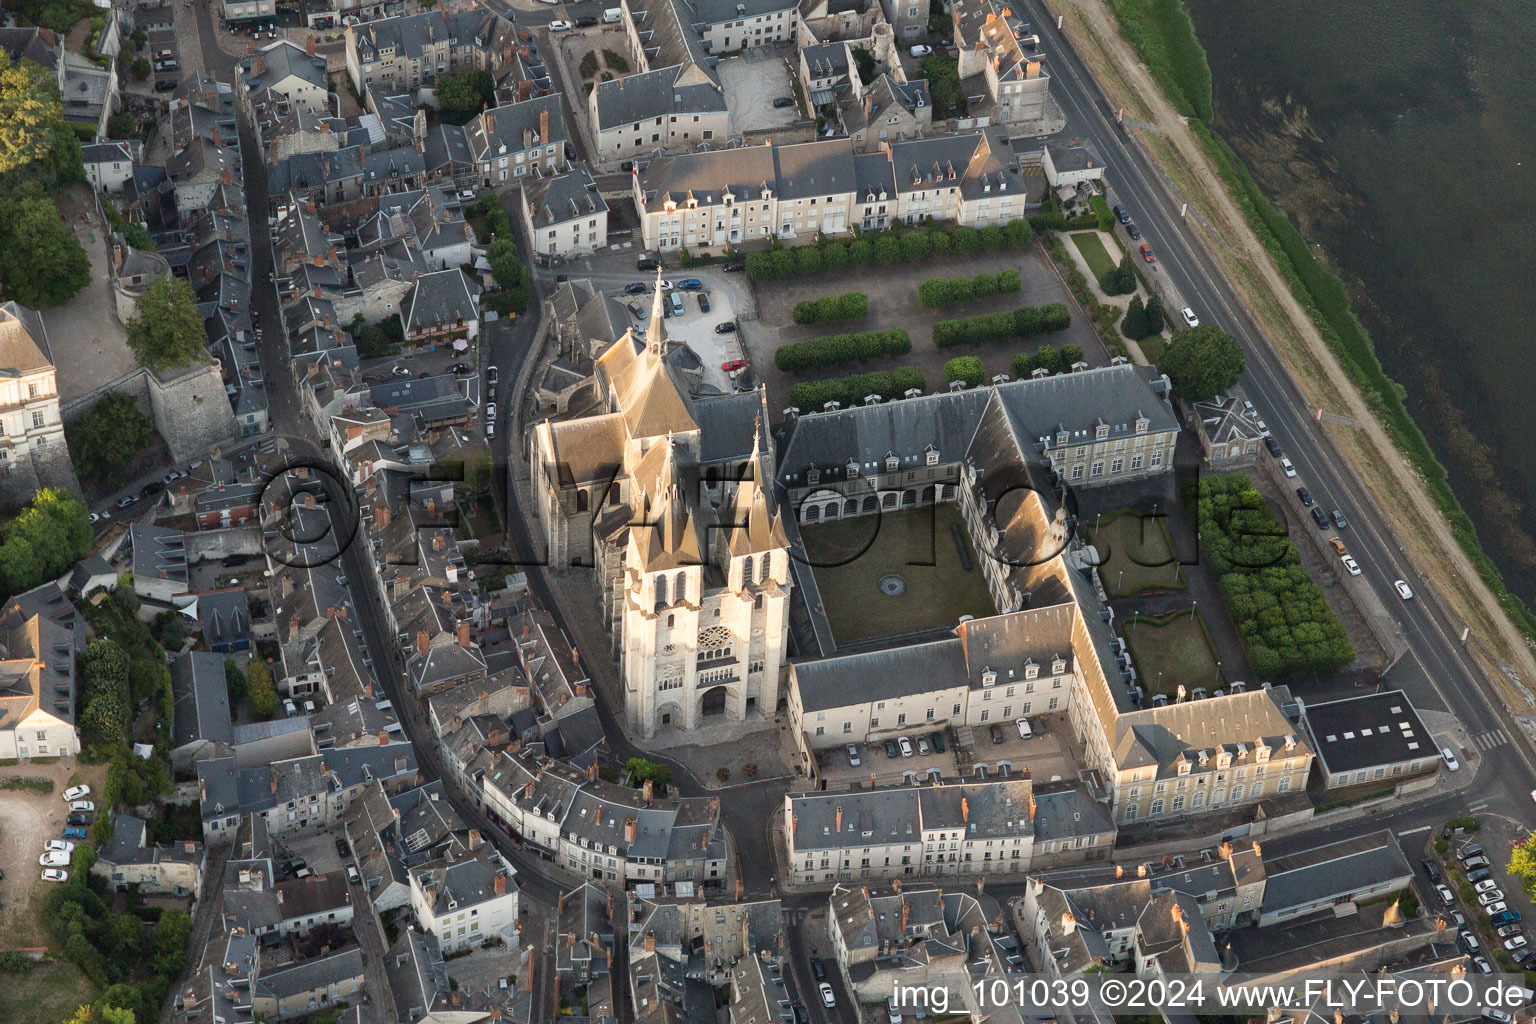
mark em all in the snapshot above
pixel 931 456
pixel 853 470
pixel 1101 431
pixel 1031 670
pixel 1223 760
pixel 892 463
pixel 1184 767
pixel 1058 666
pixel 988 677
pixel 1142 423
pixel 813 476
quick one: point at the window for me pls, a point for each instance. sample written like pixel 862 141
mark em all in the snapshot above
pixel 928 715
pixel 847 727
pixel 37 419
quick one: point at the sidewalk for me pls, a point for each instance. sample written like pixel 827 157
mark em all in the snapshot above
pixel 1121 302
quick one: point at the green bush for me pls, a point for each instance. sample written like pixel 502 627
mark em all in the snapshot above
pixel 1281 614
pixel 835 349
pixel 1102 213
pixel 1154 317
pixel 1165 39
pixel 1022 322
pixel 901 244
pixel 1121 280
pixel 1134 323
pixel 1045 357
pixel 1070 356
pixel 828 308
pixel 810 396
pixel 965 368
pixel 588 66
pixel 938 292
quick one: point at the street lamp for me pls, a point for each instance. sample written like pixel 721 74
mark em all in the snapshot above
pixel 1119 579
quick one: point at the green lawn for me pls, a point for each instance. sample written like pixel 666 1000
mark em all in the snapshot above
pixel 850 556
pixel 1092 248
pixel 1153 347
pixel 1136 555
pixel 48 993
pixel 1172 651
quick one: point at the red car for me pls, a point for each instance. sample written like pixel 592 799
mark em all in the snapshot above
pixel 1147 254
pixel 734 365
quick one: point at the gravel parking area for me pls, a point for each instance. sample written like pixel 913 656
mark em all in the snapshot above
pixel 27 818
pixel 751 84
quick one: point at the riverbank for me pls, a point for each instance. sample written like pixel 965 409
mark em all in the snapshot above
pixel 1322 346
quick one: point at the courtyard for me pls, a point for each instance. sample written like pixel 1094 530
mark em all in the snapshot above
pixel 1170 651
pixel 896 573
pixel 1136 554
pixel 892 291
pixel 751 83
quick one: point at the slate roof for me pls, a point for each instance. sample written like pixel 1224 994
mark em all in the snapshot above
pixel 662 92
pixel 515 126
pixel 1369 731
pixel 23 341
pixel 284 60
pixel 158 553
pixel 307 975
pixel 828 441
pixel 127 840
pixel 562 197
pixel 408 35
pixel 1229 416
pixel 1335 870
pixel 225 616
pixel 440 299
pixel 200 699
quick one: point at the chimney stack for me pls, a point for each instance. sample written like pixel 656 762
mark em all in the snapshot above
pixel 839 819
pixel 383 738
pixel 650 942
pixel 649 791
pixel 1068 923
pixel 629 830
pixel 309 46
pixel 544 127
pixel 464 634
pixel 500 884
pixel 423 641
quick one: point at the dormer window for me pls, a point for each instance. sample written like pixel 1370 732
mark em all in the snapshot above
pixel 931 456
pixel 1100 430
pixel 1224 760
pixel 853 470
pixel 1184 767
pixel 1058 666
pixel 988 677
pixel 1031 670
pixel 1142 424
pixel 813 477
pixel 1061 438
pixel 892 463
pixel 1261 752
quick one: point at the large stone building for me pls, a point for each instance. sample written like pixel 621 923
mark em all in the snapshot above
pixel 712 200
pixel 32 448
pixel 406 52
pixel 667 496
pixel 39 640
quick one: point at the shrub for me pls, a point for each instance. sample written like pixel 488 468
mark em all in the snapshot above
pixel 1045 357
pixel 965 368
pixel 835 349
pixel 1070 355
pixel 615 61
pixel 1022 322
pixel 588 65
pixel 847 306
pixel 1119 281
pixel 1134 324
pixel 1101 211
pixel 1155 317
pixel 810 396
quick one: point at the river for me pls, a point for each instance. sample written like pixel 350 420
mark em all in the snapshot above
pixel 1401 135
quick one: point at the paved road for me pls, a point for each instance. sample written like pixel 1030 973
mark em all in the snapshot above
pixel 1437 671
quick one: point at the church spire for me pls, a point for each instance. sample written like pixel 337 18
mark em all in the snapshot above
pixel 655 334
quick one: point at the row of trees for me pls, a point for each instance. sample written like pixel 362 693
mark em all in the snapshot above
pixel 1046 357
pixel 811 395
pixel 40 543
pixel 938 292
pixel 836 349
pixel 1142 321
pixel 1281 613
pixel 510 274
pixel 900 244
pixel 847 306
pixel 1020 323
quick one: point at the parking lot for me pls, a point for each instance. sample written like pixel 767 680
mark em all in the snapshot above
pixel 751 83
pixel 697 330
pixel 27 818
pixel 1050 754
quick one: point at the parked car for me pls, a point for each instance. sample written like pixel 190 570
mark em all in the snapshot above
pixel 560 26
pixel 173 476
pixel 233 561
pixel 1134 232
pixel 352 875
pixel 399 371
pixel 77 793
pixel 1338 546
pixel 1469 940
pixel 54 859
pixel 492 375
pixel 1339 521
pixel 1479 874
pixel 74 832
pixel 1504 917
pixel 82 806
pixel 891 749
pixel 1286 467
pixel 1483 967
pixel 150 489
pixel 783 101
pixel 826 994
pixel 636 312
pixel 1518 942
pixel 1473 863
pixel 703 303
pixel 938 741
pixel 1122 214
pixel 79 818
pixel 726 327
pixel 461 369
pixel 1431 869
pixel 100 517
pixel 55 875
pixel 1274 447
pixel 853 754
pixel 165 85
pixel 1406 593
pixel 919 50
pixel 1321 518
pixel 289 707
pixel 647 263
pixel 690 284
pixel 1493 910
pixel 732 365
pixel 1468 851
pixel 1507 930
pixel 1024 730
pixel 818 969
pixel 1490 897
pixel 586 21
pixel 923 749
pixel 127 500
pixel 734 268
pixel 905 745
pixel 341 848
pixel 635 288
pixel 1350 565
pixel 997 734
pixel 490 410
pixel 1146 253
pixel 1445 895
pixel 1305 496
pixel 675 303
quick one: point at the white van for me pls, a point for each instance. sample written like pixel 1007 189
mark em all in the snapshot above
pixel 1024 730
pixel 612 15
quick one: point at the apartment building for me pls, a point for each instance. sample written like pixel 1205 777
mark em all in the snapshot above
pixel 1004 75
pixel 676 107
pixel 466 898
pixel 565 215
pixel 515 139
pixel 31 427
pixel 407 52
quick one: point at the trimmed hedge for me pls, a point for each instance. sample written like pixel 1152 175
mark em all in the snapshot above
pixel 835 349
pixel 847 306
pixel 811 395
pixel 1021 322
pixel 965 368
pixel 938 292
pixel 898 245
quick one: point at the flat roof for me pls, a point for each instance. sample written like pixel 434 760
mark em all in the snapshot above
pixel 1365 732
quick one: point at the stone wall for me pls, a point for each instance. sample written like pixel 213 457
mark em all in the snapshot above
pixel 191 411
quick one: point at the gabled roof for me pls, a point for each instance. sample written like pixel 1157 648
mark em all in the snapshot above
pixel 23 342
pixel 563 197
pixel 200 699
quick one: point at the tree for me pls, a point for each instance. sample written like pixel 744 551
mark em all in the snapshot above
pixel 965 368
pixel 944 86
pixel 643 771
pixel 1071 354
pixel 165 331
pixel 1155 317
pixel 506 268
pixel 105 439
pixel 41 260
pixel 462 96
pixel 138 38
pixel 36 143
pixel 234 681
pixel 105 670
pixel 1133 325
pixel 140 69
pixel 865 62
pixel 1119 281
pixel 260 692
pixel 1202 361
pixel 50 534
